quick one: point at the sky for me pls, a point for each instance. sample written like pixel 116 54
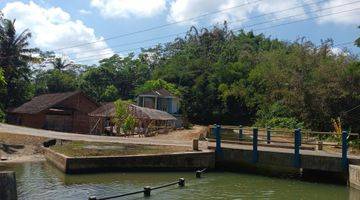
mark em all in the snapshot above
pixel 89 30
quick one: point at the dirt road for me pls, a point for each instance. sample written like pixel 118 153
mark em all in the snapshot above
pixel 176 138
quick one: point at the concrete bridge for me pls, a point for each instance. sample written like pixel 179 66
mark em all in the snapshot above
pixel 293 157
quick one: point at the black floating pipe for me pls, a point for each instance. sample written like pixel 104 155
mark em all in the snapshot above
pixel 147 190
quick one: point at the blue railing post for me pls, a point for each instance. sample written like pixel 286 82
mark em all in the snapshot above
pixel 344 158
pixel 255 146
pixel 240 132
pixel 218 149
pixel 297 156
pixel 268 136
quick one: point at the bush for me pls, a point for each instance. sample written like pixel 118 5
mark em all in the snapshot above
pixel 281 122
pixel 276 116
pixel 129 125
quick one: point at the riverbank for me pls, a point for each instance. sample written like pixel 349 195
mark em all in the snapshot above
pixel 20 148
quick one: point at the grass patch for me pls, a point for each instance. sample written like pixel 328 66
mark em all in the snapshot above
pixel 84 149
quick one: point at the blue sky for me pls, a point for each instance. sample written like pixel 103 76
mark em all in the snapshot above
pixel 57 24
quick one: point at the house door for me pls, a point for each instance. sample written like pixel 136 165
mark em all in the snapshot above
pixel 59 123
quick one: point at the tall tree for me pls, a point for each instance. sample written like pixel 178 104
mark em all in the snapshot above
pixel 15 58
pixel 2 92
pixel 61 63
pixel 116 77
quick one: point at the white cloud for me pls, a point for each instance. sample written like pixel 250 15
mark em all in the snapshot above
pixel 52 28
pixel 231 9
pixel 129 8
pixel 339 51
pixel 84 12
pixel 347 18
pixel 298 9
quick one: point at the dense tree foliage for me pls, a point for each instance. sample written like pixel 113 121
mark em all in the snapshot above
pixel 114 78
pixel 157 84
pixel 221 76
pixel 234 78
pixel 2 92
pixel 15 62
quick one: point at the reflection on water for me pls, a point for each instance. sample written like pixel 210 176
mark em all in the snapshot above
pixel 42 181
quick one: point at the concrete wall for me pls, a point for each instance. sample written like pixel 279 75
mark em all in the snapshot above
pixel 173 161
pixel 281 159
pixel 57 159
pixel 354 176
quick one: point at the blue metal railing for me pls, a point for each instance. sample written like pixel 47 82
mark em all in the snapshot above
pixel 297 143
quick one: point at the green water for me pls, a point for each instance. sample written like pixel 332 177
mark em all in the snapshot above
pixel 43 181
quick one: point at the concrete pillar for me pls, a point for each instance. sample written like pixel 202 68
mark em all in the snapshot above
pixel 268 135
pixel 320 145
pixel 218 149
pixel 255 152
pixel 8 186
pixel 297 143
pixel 240 132
pixel 344 158
pixel 147 191
pixel 196 144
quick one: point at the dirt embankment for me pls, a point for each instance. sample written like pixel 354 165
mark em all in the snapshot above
pixel 20 148
pixel 184 135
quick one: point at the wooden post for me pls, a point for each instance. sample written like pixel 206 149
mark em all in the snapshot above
pixel 297 138
pixel 344 159
pixel 255 156
pixel 8 185
pixel 196 144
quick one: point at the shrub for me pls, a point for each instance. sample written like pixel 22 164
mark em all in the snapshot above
pixel 276 116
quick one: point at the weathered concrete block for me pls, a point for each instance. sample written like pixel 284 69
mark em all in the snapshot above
pixel 170 161
pixel 354 176
pixel 8 185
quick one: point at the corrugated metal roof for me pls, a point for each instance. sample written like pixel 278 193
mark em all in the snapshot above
pixel 108 110
pixel 159 92
pixel 42 102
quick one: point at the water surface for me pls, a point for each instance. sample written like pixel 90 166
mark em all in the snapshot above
pixel 43 181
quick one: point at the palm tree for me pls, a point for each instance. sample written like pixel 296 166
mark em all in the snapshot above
pixel 60 63
pixel 15 57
